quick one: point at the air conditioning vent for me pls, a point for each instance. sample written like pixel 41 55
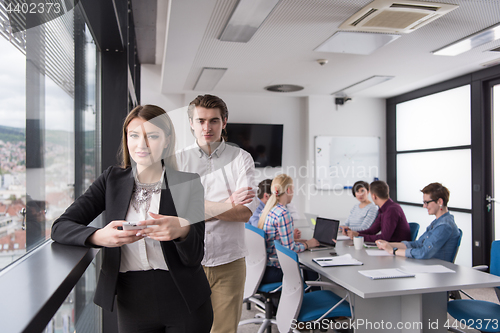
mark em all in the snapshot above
pixel 388 16
pixel 408 6
pixel 370 12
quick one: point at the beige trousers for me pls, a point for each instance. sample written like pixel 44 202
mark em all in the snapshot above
pixel 228 283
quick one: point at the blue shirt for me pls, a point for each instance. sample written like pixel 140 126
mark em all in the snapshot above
pixel 279 226
pixel 254 220
pixel 439 240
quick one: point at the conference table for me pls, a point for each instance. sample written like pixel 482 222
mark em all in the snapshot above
pixel 412 304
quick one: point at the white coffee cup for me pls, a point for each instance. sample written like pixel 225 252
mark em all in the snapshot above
pixel 358 242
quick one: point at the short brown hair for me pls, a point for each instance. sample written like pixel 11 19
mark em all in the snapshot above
pixel 436 191
pixel 380 189
pixel 264 187
pixel 209 102
pixel 158 117
pixel 360 184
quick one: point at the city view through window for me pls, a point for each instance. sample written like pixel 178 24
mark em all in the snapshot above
pixel 37 129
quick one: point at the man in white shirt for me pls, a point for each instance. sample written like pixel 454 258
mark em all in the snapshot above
pixel 227 174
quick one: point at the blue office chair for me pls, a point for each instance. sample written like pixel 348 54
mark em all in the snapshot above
pixel 476 312
pixel 255 267
pixel 458 244
pixel 297 306
pixel 414 228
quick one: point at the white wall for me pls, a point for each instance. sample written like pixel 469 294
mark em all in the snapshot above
pixel 303 118
pixel 359 117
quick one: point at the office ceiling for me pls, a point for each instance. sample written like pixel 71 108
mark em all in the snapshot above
pixel 282 50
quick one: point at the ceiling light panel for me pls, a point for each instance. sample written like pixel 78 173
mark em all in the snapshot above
pixel 246 19
pixel 355 42
pixel 208 79
pixel 466 44
pixel 362 85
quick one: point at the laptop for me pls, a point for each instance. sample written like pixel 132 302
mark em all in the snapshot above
pixel 325 233
pixel 311 219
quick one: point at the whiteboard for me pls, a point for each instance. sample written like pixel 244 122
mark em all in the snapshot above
pixel 341 161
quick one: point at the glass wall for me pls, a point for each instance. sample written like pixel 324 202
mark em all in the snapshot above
pixel 433 144
pixel 47 105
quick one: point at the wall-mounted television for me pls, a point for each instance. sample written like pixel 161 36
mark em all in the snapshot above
pixel 263 141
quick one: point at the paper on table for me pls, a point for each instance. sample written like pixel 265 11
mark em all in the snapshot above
pixel 427 269
pixel 342 237
pixel 378 253
pixel 388 273
pixel 344 260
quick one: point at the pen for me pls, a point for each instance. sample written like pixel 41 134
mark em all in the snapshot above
pixel 324 259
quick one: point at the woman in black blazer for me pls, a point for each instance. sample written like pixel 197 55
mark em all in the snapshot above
pixel 154 272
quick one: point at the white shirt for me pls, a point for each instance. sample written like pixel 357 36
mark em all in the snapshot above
pixel 146 253
pixel 226 170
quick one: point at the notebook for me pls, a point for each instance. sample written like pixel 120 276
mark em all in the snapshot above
pixel 325 232
pixel 388 273
pixel 344 260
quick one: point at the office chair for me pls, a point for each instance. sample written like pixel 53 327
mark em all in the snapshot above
pixel 455 294
pixel 475 312
pixel 458 244
pixel 414 228
pixel 297 306
pixel 255 267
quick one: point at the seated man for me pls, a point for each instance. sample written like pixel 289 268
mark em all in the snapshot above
pixel 390 223
pixel 263 193
pixel 441 236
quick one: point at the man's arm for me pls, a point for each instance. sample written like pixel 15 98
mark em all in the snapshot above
pixel 371 234
pixel 226 212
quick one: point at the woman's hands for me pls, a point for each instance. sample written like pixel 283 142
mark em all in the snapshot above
pixel 110 236
pixel 382 244
pixel 297 234
pixel 164 228
pixel 161 228
pixel 313 242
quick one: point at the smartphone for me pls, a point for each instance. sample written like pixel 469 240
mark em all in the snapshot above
pixel 132 226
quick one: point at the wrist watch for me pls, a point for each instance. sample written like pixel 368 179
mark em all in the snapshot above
pixel 394 249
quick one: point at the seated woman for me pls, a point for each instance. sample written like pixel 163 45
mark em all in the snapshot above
pixel 363 214
pixel 277 223
pixel 441 236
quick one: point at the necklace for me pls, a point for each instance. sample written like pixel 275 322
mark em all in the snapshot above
pixel 143 193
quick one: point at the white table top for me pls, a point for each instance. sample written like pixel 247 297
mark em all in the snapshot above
pixel 349 277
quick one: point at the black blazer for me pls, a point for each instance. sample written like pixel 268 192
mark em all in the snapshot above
pixel 181 195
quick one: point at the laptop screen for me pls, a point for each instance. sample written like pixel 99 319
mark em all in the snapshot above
pixel 326 230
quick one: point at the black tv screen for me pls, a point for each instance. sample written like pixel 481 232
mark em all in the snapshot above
pixel 263 141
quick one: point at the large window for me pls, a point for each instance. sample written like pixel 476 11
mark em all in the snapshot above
pixel 433 144
pixel 49 115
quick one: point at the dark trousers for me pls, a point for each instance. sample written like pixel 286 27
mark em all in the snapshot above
pixel 149 301
pixel 274 274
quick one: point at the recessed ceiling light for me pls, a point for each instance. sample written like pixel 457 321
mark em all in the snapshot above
pixel 355 42
pixel 468 43
pixel 208 79
pixel 246 19
pixel 362 85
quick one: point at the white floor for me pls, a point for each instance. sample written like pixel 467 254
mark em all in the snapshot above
pixel 487 294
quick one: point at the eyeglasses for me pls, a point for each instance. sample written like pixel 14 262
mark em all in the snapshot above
pixel 428 202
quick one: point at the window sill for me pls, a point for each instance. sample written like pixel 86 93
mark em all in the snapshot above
pixel 34 288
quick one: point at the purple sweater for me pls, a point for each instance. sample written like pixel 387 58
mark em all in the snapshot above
pixel 391 222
